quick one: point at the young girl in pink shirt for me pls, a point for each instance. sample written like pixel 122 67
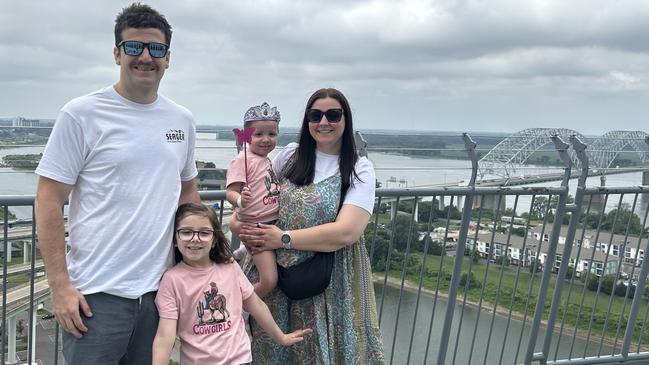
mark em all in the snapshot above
pixel 200 299
pixel 253 188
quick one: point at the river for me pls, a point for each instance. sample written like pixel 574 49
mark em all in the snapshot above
pixel 391 170
pixel 404 331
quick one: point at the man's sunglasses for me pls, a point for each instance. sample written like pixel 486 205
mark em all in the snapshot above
pixel 135 48
pixel 315 115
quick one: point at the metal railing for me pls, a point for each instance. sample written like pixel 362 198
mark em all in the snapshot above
pixel 469 275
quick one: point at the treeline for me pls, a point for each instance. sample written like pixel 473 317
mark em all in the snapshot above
pixel 28 161
pixel 610 284
pixel 210 172
pixel 14 136
pixel 617 220
pixel 421 144
pixel 415 145
pixel 2 216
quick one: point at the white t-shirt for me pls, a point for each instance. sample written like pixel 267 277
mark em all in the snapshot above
pixel 126 162
pixel 360 193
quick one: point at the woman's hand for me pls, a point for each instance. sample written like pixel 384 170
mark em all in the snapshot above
pixel 235 224
pixel 260 237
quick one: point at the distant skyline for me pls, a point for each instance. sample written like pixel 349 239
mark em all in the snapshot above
pixel 476 66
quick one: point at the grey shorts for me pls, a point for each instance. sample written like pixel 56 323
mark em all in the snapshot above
pixel 121 331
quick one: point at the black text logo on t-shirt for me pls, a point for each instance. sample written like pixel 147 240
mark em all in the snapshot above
pixel 175 136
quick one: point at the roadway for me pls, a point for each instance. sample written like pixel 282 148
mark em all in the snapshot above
pixel 19 233
pixel 22 268
pixel 529 179
pixel 18 298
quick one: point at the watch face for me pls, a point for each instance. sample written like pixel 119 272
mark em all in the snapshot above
pixel 286 238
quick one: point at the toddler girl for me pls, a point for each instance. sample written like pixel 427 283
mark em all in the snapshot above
pixel 253 188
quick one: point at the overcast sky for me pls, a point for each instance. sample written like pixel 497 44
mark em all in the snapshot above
pixel 428 65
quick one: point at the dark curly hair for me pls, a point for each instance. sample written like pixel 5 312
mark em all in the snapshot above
pixel 221 252
pixel 139 15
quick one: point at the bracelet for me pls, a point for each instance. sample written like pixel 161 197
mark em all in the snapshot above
pixel 239 202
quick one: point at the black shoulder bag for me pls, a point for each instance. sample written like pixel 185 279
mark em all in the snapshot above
pixel 311 277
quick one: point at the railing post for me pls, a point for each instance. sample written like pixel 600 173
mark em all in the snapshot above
pixel 31 337
pixel 637 298
pixel 4 287
pixel 235 243
pixel 562 148
pixel 238 145
pixel 11 340
pixel 470 145
pixel 574 209
pixel 361 144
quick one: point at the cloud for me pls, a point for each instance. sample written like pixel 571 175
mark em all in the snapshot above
pixel 496 65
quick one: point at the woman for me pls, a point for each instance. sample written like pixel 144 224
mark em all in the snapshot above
pixel 313 174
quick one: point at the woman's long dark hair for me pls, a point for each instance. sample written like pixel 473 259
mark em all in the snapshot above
pixel 221 252
pixel 302 170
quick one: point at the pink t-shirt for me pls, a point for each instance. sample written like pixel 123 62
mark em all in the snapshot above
pixel 207 303
pixel 263 184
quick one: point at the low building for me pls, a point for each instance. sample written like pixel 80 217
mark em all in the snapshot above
pixel 524 250
pixel 23 122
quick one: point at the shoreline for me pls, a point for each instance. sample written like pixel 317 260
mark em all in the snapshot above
pixel 504 313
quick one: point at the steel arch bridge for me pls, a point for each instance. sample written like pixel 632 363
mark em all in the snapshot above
pixel 602 151
pixel 515 150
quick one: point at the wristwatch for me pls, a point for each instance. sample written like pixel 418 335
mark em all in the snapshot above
pixel 286 240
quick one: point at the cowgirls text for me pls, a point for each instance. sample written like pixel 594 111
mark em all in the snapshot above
pixel 206 329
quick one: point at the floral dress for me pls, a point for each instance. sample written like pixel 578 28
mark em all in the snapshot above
pixel 343 318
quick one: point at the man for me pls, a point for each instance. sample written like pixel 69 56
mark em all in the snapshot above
pixel 125 156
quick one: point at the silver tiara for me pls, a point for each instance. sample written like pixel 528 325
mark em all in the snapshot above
pixel 261 112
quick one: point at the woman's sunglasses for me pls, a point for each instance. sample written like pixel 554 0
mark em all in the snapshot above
pixel 315 115
pixel 135 48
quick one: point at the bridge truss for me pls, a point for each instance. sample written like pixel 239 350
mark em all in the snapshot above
pixel 515 150
pixel 512 152
pixel 605 149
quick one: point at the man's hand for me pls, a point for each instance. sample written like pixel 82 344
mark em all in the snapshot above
pixel 66 302
pixel 246 196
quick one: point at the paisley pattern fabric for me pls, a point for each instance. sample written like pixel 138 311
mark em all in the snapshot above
pixel 343 318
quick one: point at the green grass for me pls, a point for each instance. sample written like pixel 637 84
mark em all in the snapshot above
pixel 517 304
pixel 15 260
pixel 18 278
pixel 18 260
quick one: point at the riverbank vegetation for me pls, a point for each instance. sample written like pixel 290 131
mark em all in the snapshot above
pixel 514 290
pixel 12 137
pixel 10 217
pixel 511 293
pixel 208 171
pixel 26 161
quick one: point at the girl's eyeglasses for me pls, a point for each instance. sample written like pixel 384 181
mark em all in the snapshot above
pixel 187 234
pixel 315 115
pixel 135 48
